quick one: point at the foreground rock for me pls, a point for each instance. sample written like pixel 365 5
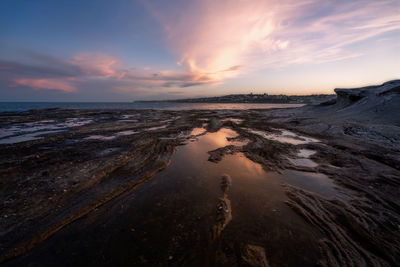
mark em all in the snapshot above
pixel 362 129
pixel 98 164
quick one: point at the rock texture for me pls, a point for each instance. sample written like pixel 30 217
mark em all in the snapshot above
pixel 371 102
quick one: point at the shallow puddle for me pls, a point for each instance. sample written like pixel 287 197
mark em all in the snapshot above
pixel 303 162
pixel 155 128
pixel 108 151
pixel 128 120
pixel 100 137
pixel 197 131
pixel 29 131
pixel 128 132
pixel 284 136
pixel 129 116
pixel 211 141
pixel 75 122
pixel 18 139
pixel 234 120
pixel 124 133
pixel 26 137
pixel 306 153
pixel 303 159
pixel 317 183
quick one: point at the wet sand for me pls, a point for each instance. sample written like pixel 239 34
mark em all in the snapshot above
pixel 202 188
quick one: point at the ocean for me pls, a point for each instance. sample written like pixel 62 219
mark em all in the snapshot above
pixel 25 106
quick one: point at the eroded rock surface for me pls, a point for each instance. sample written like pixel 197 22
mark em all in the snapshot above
pixel 58 183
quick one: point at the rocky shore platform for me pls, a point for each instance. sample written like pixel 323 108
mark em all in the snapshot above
pixel 312 186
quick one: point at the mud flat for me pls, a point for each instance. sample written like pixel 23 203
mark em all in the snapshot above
pixel 311 186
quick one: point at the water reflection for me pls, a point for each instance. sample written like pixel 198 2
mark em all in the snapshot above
pixel 234 120
pixel 303 162
pixel 305 153
pixel 215 140
pixel 314 182
pixel 197 131
pixel 284 136
pixel 125 133
pixel 128 132
pixel 100 137
pixel 303 159
pixel 156 128
pixel 190 187
pixel 194 156
pixel 21 132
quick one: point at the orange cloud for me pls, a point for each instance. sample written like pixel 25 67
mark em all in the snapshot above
pixel 47 84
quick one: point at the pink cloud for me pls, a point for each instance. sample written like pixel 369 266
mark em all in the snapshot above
pixel 90 65
pixel 209 36
pixel 47 84
pixel 98 64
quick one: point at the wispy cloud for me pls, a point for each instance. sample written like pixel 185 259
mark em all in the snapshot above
pixel 98 65
pixel 213 35
pixel 47 84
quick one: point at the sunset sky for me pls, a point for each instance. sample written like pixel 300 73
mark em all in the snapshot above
pixel 126 50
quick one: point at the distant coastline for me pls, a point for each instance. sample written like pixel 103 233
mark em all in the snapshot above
pixel 156 105
pixel 252 98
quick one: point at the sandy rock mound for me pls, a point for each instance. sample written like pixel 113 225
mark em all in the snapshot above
pixel 380 102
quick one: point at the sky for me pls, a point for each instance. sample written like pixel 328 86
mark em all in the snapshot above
pixel 126 50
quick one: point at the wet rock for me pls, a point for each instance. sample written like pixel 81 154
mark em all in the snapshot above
pixel 254 256
pixel 214 125
pixel 353 238
pixel 226 182
pixel 86 173
pixel 223 216
pixel 224 209
pixel 217 154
